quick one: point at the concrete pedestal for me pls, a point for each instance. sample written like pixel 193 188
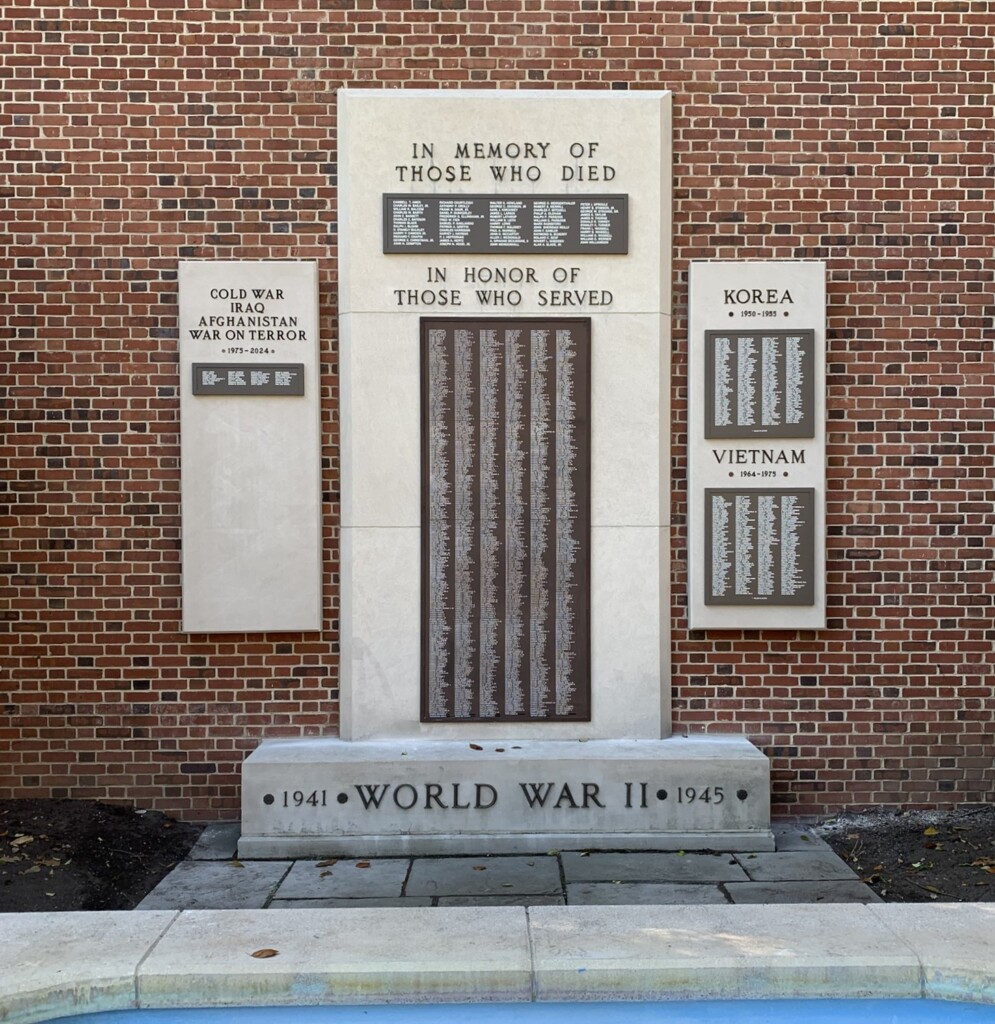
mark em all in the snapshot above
pixel 303 798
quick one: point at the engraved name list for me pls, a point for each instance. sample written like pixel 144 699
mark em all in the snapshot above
pixel 506 520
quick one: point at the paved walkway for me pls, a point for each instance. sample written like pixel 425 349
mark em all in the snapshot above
pixel 802 870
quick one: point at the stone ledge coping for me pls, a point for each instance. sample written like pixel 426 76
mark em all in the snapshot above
pixel 60 964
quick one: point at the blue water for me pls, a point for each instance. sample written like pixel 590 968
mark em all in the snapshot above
pixel 760 1011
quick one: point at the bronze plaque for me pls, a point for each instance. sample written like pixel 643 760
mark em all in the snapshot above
pixel 506 522
pixel 424 222
pixel 760 383
pixel 760 546
pixel 248 379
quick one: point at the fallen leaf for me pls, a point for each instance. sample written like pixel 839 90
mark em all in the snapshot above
pixel 34 869
pixel 983 862
pixel 324 874
pixel 805 837
pixel 931 831
pixel 22 840
pixel 479 867
pixel 326 863
pixel 235 864
pixel 499 750
pixel 362 863
pixel 265 954
pixel 50 862
pixel 476 746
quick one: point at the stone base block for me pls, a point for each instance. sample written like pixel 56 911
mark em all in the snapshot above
pixel 304 798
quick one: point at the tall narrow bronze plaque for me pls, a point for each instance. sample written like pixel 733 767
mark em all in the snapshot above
pixel 506 522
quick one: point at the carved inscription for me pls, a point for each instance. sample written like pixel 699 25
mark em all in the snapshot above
pixel 759 384
pixel 506 520
pixel 759 546
pixel 525 796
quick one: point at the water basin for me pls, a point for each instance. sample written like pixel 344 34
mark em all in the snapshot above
pixel 738 1011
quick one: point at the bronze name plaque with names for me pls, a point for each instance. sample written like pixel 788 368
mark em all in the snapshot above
pixel 760 546
pixel 506 458
pixel 519 223
pixel 760 384
pixel 248 379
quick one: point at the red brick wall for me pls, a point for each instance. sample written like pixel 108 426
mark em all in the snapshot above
pixel 136 132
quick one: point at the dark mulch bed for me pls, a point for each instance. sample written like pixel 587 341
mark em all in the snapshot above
pixel 82 855
pixel 920 856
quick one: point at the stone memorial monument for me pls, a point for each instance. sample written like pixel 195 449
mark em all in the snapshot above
pixel 250 444
pixel 504 302
pixel 756 451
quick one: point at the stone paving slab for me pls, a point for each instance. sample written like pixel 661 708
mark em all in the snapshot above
pixel 483 876
pixel 369 955
pixel 790 837
pixel 635 893
pixel 217 842
pixel 361 901
pixel 345 879
pixel 651 867
pixel 795 867
pixel 216 885
pixel 802 892
pixel 803 860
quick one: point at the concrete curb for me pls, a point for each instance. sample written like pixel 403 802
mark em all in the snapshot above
pixel 63 964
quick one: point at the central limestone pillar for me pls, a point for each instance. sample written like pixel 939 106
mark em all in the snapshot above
pixel 504 299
